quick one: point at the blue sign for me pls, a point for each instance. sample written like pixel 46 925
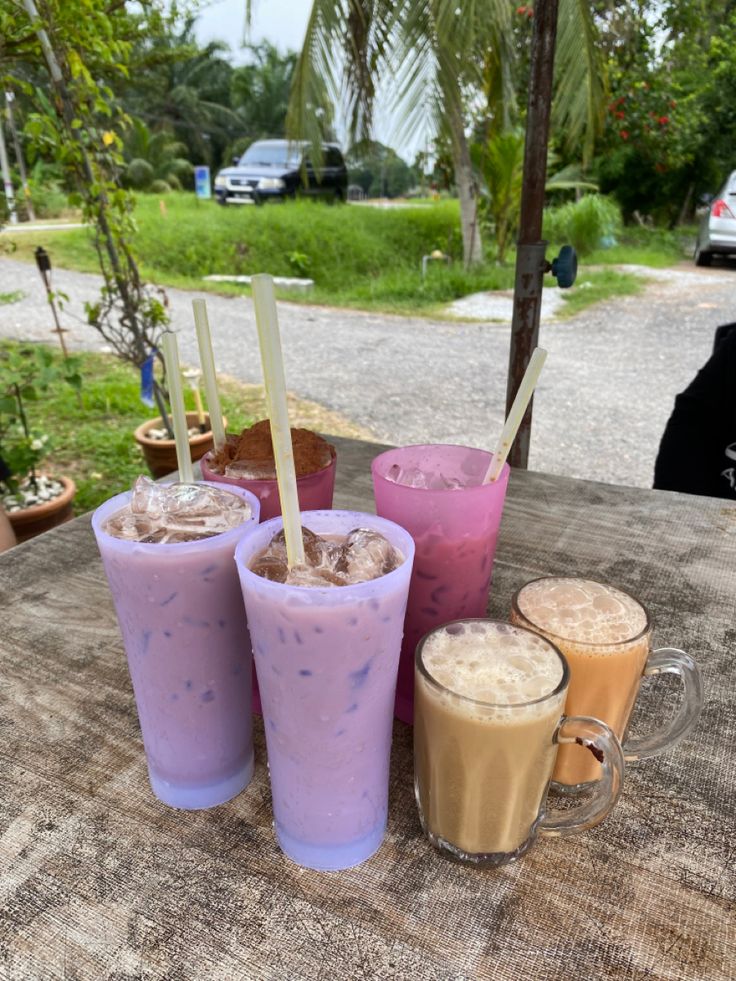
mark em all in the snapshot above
pixel 202 186
pixel 147 379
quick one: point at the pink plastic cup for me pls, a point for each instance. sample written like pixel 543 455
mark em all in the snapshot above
pixel 455 533
pixel 314 490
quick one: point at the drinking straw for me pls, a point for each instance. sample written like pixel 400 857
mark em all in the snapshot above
pixel 272 360
pixel 207 360
pixel 516 414
pixel 176 398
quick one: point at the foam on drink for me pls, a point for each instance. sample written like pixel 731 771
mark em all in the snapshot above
pixel 603 632
pixel 583 611
pixel 492 663
pixel 484 743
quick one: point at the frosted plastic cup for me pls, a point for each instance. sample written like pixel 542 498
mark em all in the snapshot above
pixel 606 636
pixel 455 533
pixel 182 618
pixel 314 490
pixel 489 719
pixel 326 660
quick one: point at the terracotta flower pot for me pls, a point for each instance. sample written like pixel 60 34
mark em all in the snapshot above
pixel 41 517
pixel 160 454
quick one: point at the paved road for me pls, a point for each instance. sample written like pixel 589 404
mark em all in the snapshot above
pixel 605 394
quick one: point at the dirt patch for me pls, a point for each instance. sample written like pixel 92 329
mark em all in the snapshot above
pixel 302 412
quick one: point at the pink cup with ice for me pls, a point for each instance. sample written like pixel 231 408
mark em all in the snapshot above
pixel 314 490
pixel 435 491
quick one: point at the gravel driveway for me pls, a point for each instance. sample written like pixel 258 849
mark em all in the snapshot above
pixel 605 394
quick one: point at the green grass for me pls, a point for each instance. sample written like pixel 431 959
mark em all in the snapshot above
pixel 654 247
pixel 12 297
pixel 92 436
pixel 362 257
pixel 596 285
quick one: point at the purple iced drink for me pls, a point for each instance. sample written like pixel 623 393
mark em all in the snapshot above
pixel 181 615
pixel 326 658
pixel 435 492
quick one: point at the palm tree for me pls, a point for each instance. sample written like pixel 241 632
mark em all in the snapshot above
pixel 435 52
pixel 154 161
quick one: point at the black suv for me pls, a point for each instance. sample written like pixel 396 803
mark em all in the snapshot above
pixel 274 170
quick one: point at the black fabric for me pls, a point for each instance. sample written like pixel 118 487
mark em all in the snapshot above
pixel 697 454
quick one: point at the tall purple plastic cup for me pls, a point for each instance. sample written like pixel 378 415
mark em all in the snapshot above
pixel 326 660
pixel 181 615
pixel 455 532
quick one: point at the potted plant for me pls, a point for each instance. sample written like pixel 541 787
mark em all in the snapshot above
pixel 33 500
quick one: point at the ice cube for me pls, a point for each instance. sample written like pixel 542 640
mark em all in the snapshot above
pixel 440 482
pixel 369 555
pixel 271 567
pixel 169 513
pixel 305 575
pixel 250 470
pixel 409 477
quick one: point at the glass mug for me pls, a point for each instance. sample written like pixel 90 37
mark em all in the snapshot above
pixel 605 634
pixel 489 704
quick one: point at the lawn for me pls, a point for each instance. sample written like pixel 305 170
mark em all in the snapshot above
pixel 363 257
pixel 92 435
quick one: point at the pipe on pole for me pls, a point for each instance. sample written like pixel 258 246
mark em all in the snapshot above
pixel 7 182
pixel 530 255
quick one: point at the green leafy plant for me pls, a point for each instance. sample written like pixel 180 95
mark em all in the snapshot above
pixel 299 262
pixel 26 374
pixel 584 223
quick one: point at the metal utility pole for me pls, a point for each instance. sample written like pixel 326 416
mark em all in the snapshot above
pixel 7 182
pixel 9 97
pixel 531 263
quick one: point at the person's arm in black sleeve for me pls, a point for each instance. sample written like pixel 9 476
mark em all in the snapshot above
pixel 691 455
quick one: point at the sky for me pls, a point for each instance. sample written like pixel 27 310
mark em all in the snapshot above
pixel 283 23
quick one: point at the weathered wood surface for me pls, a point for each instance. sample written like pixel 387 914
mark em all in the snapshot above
pixel 99 880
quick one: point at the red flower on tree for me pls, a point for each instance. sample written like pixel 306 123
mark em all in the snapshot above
pixel 624 134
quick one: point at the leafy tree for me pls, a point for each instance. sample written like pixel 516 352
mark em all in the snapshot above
pixel 379 170
pixel 153 159
pixel 176 84
pixel 80 47
pixel 434 51
pixel 260 90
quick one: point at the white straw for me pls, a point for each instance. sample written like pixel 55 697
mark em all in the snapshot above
pixel 269 339
pixel 207 360
pixel 516 414
pixel 178 415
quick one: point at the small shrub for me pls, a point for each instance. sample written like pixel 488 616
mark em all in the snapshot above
pixel 584 223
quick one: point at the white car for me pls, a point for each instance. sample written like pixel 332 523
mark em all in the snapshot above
pixel 717 232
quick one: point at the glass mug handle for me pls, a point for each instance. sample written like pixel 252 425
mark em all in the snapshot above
pixel 604 745
pixel 669 660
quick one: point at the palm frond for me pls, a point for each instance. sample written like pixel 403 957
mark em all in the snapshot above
pixel 580 77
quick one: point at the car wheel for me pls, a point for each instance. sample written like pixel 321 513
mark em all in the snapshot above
pixel 702 258
pixel 258 200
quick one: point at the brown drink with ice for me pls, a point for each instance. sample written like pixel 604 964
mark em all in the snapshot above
pixel 247 461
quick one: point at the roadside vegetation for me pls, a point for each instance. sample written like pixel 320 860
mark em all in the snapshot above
pixel 361 257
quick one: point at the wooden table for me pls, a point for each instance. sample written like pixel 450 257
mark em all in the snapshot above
pixel 99 880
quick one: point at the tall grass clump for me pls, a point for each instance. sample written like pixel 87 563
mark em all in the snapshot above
pixel 584 224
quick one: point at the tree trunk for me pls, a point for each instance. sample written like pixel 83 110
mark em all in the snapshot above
pixel 464 180
pixel 466 191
